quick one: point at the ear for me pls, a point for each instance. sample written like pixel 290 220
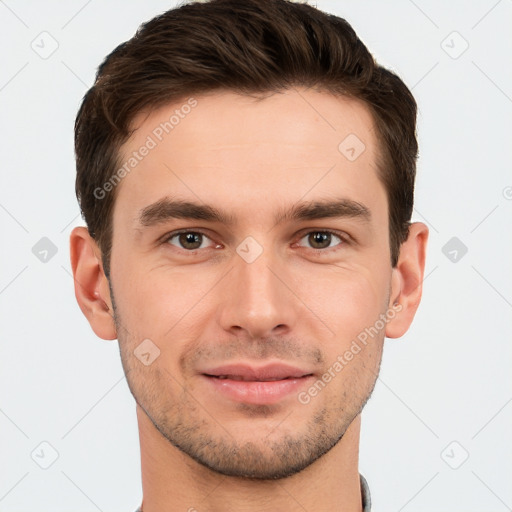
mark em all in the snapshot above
pixel 91 285
pixel 407 280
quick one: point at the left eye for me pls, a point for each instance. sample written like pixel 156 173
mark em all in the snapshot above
pixel 190 240
pixel 322 239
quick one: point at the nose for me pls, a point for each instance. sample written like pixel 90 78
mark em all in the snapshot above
pixel 256 299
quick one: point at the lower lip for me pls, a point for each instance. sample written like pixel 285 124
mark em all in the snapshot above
pixel 258 392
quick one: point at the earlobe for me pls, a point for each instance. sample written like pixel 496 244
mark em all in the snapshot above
pixel 91 285
pixel 407 280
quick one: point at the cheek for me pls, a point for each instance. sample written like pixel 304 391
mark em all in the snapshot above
pixel 351 303
pixel 163 304
pixel 346 300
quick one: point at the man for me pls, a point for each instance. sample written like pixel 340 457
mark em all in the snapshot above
pixel 246 173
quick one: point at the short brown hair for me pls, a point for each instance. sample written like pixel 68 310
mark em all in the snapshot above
pixel 248 47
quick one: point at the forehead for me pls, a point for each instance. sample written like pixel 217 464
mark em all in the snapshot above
pixel 294 144
pixel 295 115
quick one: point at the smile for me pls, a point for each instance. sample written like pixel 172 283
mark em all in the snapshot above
pixel 248 384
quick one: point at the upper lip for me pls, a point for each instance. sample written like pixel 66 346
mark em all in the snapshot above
pixel 274 371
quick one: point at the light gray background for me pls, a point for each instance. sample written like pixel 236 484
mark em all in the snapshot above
pixel 445 389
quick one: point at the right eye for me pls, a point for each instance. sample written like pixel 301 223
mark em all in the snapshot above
pixel 188 240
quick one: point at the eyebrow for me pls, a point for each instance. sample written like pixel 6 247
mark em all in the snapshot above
pixel 166 208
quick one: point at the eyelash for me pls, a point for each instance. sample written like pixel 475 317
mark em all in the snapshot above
pixel 345 239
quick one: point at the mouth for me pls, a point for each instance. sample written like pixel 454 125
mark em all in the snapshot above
pixel 245 379
pixel 266 373
pixel 248 384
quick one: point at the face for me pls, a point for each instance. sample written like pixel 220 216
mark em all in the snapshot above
pixel 250 255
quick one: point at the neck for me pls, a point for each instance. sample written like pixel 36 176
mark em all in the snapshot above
pixel 172 481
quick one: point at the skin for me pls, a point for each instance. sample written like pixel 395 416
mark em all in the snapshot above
pixel 209 306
